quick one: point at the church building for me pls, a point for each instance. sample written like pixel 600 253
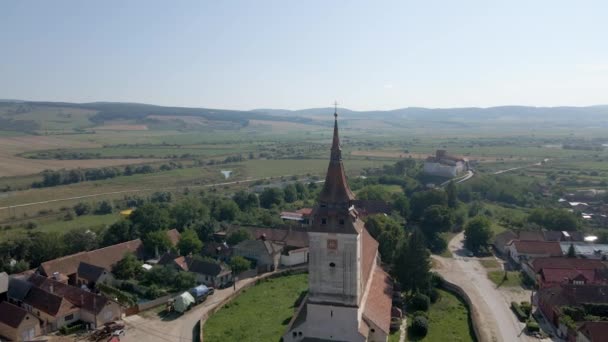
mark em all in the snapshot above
pixel 349 294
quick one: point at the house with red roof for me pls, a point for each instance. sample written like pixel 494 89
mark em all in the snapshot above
pixel 553 271
pixel 527 250
pixel 593 332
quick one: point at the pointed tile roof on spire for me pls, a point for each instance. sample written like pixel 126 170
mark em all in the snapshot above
pixel 336 189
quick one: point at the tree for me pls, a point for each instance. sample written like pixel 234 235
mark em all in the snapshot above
pixel 150 217
pixel 478 233
pixel 571 252
pixel 118 232
pixel 205 229
pixel 436 219
pixel 157 242
pixel 246 201
pixel 402 205
pixel 270 197
pixel 554 219
pixel 290 194
pixel 129 267
pixel 413 264
pixel 238 264
pixel 452 195
pixel 46 246
pixel 161 197
pixel 225 210
pixel 240 235
pixel 374 193
pixel 79 240
pixel 104 207
pixel 389 234
pixel 189 243
pixel 82 208
pixel 424 199
pixel 188 211
pixel 184 281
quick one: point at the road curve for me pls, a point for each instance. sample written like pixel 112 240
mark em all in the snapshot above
pixel 496 321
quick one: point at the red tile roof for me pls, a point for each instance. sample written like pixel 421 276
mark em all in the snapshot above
pixel 104 257
pixel 566 263
pixel 551 248
pixel 293 238
pixel 595 331
pixel 76 296
pixel 11 315
pixel 560 275
pixel 369 251
pixel 51 303
pixel 379 300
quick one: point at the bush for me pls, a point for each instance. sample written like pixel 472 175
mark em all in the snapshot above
pixel 420 302
pixel 532 326
pixel 434 295
pixel 518 312
pixel 436 280
pixel 420 326
pixel 526 308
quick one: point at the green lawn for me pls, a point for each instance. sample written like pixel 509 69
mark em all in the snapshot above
pixel 448 321
pixel 261 313
pixel 514 278
pixel 394 336
pixel 489 263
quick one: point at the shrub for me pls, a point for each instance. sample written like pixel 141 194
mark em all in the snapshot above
pixel 420 326
pixel 518 312
pixel 434 295
pixel 420 302
pixel 532 326
pixel 436 280
pixel 526 308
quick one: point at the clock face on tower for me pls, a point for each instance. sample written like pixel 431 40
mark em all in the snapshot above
pixel 332 244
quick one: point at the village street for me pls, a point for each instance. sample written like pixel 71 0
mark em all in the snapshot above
pixel 152 328
pixel 490 306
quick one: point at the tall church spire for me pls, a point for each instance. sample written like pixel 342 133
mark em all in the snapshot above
pixel 335 189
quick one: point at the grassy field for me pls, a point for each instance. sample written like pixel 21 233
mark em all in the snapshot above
pixel 489 263
pixel 261 313
pixel 514 278
pixel 448 321
pixel 56 223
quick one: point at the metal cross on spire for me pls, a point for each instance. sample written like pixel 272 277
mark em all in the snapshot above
pixel 336 109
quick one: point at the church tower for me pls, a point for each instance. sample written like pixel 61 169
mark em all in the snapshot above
pixel 335 244
pixel 349 295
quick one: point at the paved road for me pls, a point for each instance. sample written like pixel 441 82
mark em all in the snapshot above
pixel 175 328
pixel 521 167
pixel 490 307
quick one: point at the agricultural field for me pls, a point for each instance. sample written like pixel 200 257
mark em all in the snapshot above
pixel 260 313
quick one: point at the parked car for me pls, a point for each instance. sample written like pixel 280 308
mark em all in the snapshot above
pixel 119 332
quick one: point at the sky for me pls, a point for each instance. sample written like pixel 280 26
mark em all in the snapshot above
pixel 301 54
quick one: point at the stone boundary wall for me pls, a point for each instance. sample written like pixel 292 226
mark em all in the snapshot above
pixel 480 333
pixel 221 304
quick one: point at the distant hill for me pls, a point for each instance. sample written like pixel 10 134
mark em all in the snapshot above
pixel 29 116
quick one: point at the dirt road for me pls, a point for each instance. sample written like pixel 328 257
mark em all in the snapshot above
pixel 178 328
pixel 491 307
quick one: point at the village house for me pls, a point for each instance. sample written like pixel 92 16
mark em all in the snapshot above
pixel 266 254
pixel 301 216
pixel 548 272
pixel 210 273
pixel 527 250
pixel 57 304
pixel 87 268
pixel 16 324
pixel 551 300
pixel 593 332
pixel 350 295
pixel 445 165
pixel 217 250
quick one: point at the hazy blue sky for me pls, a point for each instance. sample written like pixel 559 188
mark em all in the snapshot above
pixel 298 54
